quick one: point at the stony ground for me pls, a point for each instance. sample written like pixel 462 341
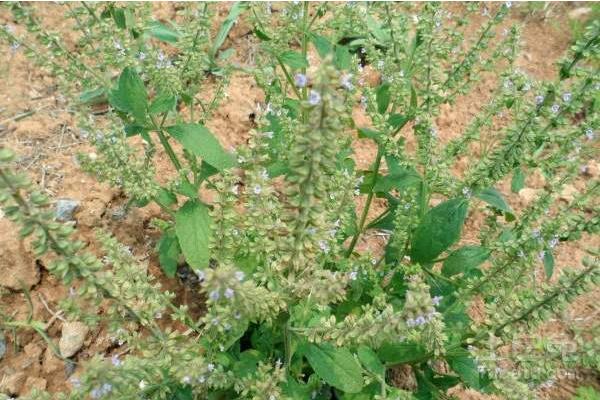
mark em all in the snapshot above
pixel 36 122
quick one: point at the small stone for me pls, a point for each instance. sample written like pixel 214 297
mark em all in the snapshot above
pixel 18 268
pixel 528 195
pixel 72 337
pixel 34 382
pixel 65 209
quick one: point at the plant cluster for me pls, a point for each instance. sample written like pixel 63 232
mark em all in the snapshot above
pixel 294 308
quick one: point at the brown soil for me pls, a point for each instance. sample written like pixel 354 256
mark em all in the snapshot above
pixel 48 139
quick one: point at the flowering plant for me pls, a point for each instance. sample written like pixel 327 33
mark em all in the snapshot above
pixel 298 305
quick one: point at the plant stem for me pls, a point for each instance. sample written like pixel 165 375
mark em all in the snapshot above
pixel 365 212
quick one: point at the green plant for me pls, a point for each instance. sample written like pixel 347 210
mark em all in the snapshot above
pixel 294 309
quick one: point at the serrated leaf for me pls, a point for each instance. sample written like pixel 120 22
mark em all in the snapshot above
pixel 168 253
pixel 548 264
pixel 342 59
pixel 162 103
pixel 336 366
pixel 293 59
pixel 493 198
pixel 193 229
pixel 198 140
pixel 518 181
pixel 130 95
pixel 438 230
pixel 382 96
pixel 322 44
pixel 163 32
pixel 464 259
pixel 370 361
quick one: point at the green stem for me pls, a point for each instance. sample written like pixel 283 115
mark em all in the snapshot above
pixel 363 217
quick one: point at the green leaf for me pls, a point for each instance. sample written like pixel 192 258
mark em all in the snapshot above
pixel 234 13
pixel 464 259
pixel 198 140
pixel 438 230
pixel 398 120
pixel 130 95
pixel 336 366
pixel 342 59
pixel 322 44
pixel 466 368
pixel 93 96
pixel 494 198
pixel 587 393
pixel 370 361
pixel 261 35
pixel 401 353
pixel 518 181
pixel 182 392
pixel 382 96
pixel 163 32
pixel 119 17
pixel 401 178
pixel 548 263
pixel 293 59
pixel 192 225
pixel 162 103
pixel 166 198
pixel 168 253
pixel 367 133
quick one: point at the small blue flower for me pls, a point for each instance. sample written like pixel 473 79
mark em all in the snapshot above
pixel 300 80
pixel 566 97
pixel 314 98
pixel 555 108
pixel 539 99
pixel 214 295
pixel 589 134
pixel 229 293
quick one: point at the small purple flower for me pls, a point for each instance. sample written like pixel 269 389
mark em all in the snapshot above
pixel 215 321
pixel 555 108
pixel 300 80
pixel 214 295
pixel 14 47
pixel 115 361
pixel 229 293
pixel 314 98
pixel 346 82
pixel 239 275
pixel 186 380
pixel 566 97
pixel 324 246
pixel 539 99
pixel 210 367
pixel 257 189
pixel 420 320
pixel 353 275
pixel 508 4
pixel 541 255
pixel 467 192
pixel 436 300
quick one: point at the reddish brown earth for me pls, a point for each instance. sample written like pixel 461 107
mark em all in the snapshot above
pixel 48 139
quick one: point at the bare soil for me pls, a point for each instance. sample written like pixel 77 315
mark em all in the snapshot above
pixel 35 121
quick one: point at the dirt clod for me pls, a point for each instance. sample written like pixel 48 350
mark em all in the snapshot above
pixel 17 267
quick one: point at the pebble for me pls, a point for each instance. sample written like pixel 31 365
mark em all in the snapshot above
pixel 72 337
pixel 65 209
